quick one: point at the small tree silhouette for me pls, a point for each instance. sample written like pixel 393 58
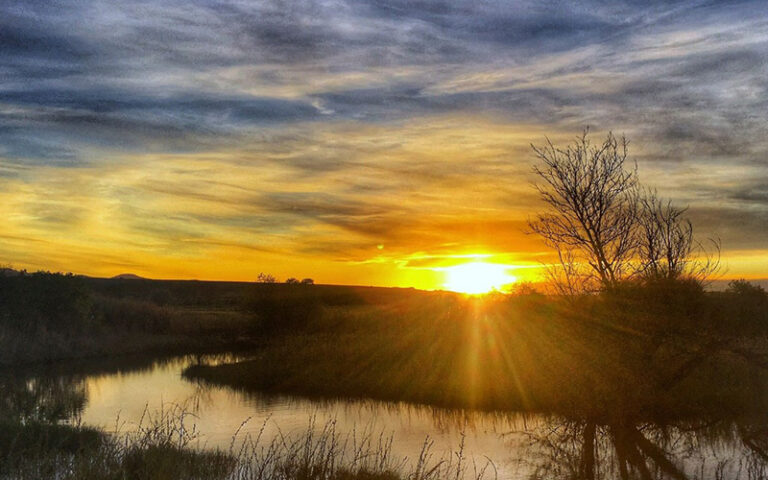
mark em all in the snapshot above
pixel 666 246
pixel 265 278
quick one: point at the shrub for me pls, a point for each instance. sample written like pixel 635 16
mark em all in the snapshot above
pixel 747 306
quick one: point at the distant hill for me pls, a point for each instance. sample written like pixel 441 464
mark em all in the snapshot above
pixel 128 276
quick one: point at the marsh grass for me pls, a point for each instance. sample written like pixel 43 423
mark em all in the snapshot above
pixel 321 452
pixel 166 445
pixel 682 350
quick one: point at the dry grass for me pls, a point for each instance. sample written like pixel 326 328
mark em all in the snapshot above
pixel 165 446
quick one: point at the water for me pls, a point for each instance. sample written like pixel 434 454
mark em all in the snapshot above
pixel 116 395
pixel 116 402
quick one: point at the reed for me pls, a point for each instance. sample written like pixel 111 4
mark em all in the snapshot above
pixel 165 445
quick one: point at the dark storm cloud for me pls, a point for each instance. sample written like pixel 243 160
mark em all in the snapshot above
pixel 377 105
pixel 28 41
pixel 352 215
pixel 192 103
pixel 550 25
pixel 756 192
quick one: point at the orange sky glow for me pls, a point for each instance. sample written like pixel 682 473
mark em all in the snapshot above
pixel 417 201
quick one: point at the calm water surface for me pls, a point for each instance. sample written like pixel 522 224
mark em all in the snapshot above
pixel 117 393
pixel 117 401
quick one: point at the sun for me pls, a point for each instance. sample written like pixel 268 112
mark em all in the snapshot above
pixel 477 277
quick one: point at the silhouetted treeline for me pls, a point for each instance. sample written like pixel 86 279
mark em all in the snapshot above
pixel 235 294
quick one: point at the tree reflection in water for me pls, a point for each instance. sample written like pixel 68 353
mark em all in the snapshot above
pixel 41 399
pixel 591 450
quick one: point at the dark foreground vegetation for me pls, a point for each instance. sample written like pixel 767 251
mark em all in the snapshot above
pixel 681 349
pixel 35 452
pixel 631 374
pixel 622 370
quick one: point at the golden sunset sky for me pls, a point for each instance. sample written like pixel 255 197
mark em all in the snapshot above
pixel 361 142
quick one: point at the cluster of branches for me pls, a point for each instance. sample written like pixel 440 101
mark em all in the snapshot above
pixel 605 227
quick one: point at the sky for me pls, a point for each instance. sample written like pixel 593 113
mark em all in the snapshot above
pixel 362 142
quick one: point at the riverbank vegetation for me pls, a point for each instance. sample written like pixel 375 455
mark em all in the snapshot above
pixel 51 316
pixel 165 446
pixel 672 342
pixel 669 338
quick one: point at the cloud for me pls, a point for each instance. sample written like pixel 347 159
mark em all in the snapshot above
pixel 738 228
pixel 59 124
pixel 173 131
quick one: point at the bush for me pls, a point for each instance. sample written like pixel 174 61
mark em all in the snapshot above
pixel 657 306
pixel 747 306
pixel 20 442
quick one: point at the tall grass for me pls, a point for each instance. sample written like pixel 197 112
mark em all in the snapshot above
pixel 165 445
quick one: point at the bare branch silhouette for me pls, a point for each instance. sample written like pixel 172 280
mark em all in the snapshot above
pixel 593 205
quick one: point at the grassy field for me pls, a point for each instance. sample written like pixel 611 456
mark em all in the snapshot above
pixel 46 317
pixel 683 351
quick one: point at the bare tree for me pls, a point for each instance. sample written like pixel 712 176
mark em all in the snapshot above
pixel 604 229
pixel 593 208
pixel 666 245
pixel 566 278
pixel 666 238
